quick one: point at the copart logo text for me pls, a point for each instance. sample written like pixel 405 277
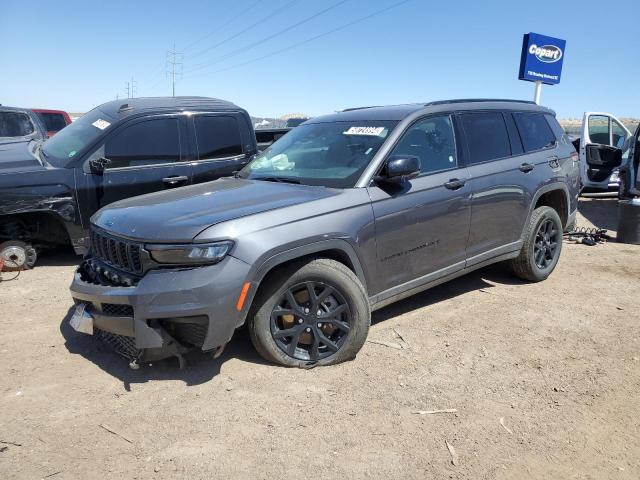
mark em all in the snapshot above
pixel 546 53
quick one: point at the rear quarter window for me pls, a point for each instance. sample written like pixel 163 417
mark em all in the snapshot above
pixel 555 126
pixel 487 137
pixel 535 131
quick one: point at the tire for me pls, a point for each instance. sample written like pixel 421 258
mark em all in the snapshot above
pixel 334 336
pixel 525 265
pixel 17 255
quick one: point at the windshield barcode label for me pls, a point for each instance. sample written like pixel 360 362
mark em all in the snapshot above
pixel 101 124
pixel 371 131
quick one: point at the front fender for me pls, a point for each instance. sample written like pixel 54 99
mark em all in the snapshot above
pixel 57 200
pixel 270 260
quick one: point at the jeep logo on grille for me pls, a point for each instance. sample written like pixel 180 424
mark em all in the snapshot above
pixel 546 53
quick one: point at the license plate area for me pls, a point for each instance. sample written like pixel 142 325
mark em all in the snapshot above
pixel 81 320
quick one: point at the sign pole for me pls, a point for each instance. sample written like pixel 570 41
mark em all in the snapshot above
pixel 536 92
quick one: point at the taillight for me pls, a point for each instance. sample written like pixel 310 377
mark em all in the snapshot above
pixel 575 157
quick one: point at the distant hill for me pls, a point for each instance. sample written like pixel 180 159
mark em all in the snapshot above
pixel 573 126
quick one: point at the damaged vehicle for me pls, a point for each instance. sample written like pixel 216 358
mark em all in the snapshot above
pixel 53 120
pixel 345 214
pixel 19 125
pixel 49 190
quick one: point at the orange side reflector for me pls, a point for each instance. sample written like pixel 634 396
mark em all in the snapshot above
pixel 243 296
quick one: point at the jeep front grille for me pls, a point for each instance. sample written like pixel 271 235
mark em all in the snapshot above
pixel 119 253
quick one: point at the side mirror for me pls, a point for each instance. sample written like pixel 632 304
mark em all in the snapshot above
pixel 97 165
pixel 399 169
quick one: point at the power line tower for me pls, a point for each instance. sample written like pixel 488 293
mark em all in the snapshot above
pixel 175 61
pixel 131 87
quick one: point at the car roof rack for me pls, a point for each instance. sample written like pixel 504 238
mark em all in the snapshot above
pixel 474 100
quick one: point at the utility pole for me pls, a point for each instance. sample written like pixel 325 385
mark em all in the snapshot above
pixel 131 88
pixel 174 67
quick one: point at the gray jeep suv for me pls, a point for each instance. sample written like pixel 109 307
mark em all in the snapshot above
pixel 345 214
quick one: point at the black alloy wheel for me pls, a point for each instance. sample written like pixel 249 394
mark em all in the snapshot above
pixel 311 321
pixel 545 247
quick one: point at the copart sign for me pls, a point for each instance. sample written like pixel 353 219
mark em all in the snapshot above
pixel 541 58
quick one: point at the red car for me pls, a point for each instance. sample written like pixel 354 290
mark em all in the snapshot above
pixel 53 120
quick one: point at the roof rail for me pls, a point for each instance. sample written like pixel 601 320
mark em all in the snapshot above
pixel 473 100
pixel 351 109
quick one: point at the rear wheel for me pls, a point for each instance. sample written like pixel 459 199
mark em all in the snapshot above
pixel 313 314
pixel 17 255
pixel 542 246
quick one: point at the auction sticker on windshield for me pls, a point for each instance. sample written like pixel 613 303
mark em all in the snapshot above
pixel 101 124
pixel 370 131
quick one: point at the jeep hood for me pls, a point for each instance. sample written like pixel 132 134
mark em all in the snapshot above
pixel 179 215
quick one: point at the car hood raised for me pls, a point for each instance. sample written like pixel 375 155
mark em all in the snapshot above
pixel 179 215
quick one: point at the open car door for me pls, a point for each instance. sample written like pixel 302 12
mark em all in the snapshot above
pixel 601 150
pixel 630 171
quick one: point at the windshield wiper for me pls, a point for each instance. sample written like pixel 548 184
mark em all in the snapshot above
pixel 279 179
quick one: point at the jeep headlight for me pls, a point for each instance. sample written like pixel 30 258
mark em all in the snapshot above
pixel 193 254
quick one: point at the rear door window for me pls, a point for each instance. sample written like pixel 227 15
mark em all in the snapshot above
pixel 487 136
pixel 217 137
pixel 534 131
pixel 145 143
pixel 15 124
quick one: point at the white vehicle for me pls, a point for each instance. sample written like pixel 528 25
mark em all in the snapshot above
pixel 603 148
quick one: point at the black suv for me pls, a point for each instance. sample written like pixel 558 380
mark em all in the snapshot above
pixel 120 149
pixel 345 214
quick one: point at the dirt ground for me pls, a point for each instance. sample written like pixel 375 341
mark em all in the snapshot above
pixel 544 378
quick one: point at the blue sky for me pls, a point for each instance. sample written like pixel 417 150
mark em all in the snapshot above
pixel 77 54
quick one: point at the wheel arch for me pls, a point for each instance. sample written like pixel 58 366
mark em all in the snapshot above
pixel 335 249
pixel 44 226
pixel 554 195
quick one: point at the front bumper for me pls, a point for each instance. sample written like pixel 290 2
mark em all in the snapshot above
pixel 203 298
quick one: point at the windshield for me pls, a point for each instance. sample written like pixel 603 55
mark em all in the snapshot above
pixel 71 140
pixel 329 154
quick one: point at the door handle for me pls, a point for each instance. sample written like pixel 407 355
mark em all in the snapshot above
pixel 175 180
pixel 454 184
pixel 526 167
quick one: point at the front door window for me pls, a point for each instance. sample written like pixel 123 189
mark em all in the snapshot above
pixel 149 142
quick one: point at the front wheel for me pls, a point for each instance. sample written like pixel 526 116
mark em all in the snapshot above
pixel 312 314
pixel 542 246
